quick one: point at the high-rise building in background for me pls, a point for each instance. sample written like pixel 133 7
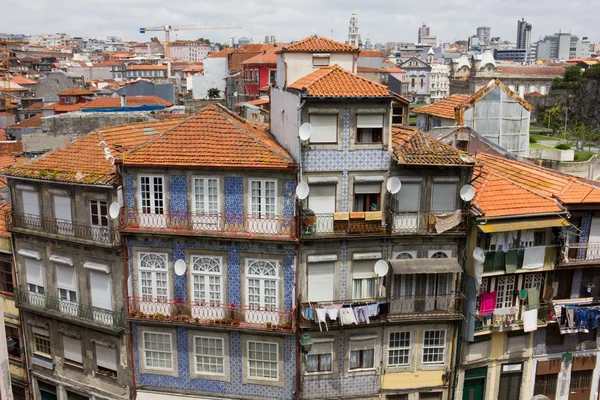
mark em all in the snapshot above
pixel 353 33
pixel 483 34
pixel 523 34
pixel 562 46
pixel 423 31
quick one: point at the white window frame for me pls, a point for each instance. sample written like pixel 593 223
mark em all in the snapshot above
pixel 366 339
pixel 41 334
pixel 322 342
pixel 262 278
pixel 399 348
pixel 248 360
pixel 152 303
pixel 144 350
pixel 206 200
pixel 95 208
pixel 262 214
pixel 441 346
pixel 206 274
pixel 221 357
pixel 152 195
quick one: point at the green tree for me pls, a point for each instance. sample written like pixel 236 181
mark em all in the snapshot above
pixel 572 74
pixel 592 73
pixel 554 118
pixel 213 93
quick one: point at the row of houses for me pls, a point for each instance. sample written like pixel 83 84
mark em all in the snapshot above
pixel 181 258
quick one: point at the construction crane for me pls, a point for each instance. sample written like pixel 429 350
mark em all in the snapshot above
pixel 167 29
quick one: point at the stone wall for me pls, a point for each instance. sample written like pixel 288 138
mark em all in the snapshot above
pixel 79 123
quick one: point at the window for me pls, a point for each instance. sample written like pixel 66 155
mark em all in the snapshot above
pixel 320 357
pixel 76 396
pixel 152 194
pixel 320 281
pixel 106 361
pixel 399 349
pixel 63 214
pixel 34 273
pixel 367 197
pixel 439 254
pixel 409 198
pixel 206 280
pixel 41 342
pixel 363 280
pixel 208 355
pixel 158 353
pixel 263 196
pixel 324 128
pixel 412 82
pixel 101 294
pixel 580 382
pixel 262 278
pixel 206 196
pixel 99 212
pixel 369 128
pixel 545 385
pixel 505 286
pixel 6 277
pixel 263 360
pixel 434 343
pixel 320 61
pixel 272 76
pixel 322 199
pixel 13 342
pixel 422 83
pixel 362 353
pixel 443 197
pixel 72 350
pixel 66 283
pixel 154 283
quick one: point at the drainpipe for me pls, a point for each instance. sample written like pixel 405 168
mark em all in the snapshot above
pixel 298 230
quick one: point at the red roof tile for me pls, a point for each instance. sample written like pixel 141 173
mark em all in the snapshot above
pixel 221 54
pixel 21 80
pixel 194 68
pixel 4 208
pixel 537 70
pixel 414 147
pixel 2 134
pixel 132 101
pixel 215 137
pixel 36 106
pixel 84 161
pixel 75 92
pixel 444 108
pixel 370 53
pixel 138 67
pixel 11 147
pixel 337 82
pixel 266 57
pixel 33 122
pixel 57 107
pixel 318 43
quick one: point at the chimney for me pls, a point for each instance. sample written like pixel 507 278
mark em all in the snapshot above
pixel 123 100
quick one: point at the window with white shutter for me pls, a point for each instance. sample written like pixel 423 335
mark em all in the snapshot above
pixel 72 350
pixel 369 128
pixel 443 196
pixel 362 353
pixel 324 128
pixel 322 199
pixel 320 357
pixel 66 285
pixel 34 272
pixel 106 361
pixel 408 198
pixel 63 215
pixel 31 202
pixel 320 281
pixel 100 288
pixel 363 279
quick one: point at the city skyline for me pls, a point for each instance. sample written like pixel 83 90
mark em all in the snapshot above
pixel 274 19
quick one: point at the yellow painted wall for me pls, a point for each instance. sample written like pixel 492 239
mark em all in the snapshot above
pixel 497 347
pixel 8 306
pixel 412 380
pixel 17 371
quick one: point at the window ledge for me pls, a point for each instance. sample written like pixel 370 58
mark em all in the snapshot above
pixel 73 365
pixel 319 373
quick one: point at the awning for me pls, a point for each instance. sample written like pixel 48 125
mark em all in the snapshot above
pixel 426 266
pixel 522 225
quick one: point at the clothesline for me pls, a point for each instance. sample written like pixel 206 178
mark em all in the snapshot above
pixel 347 314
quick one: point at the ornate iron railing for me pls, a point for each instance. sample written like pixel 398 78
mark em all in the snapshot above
pixel 580 253
pixel 427 307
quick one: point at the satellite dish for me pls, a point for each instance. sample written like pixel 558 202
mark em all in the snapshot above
pixel 235 94
pixel 305 131
pixel 467 192
pixel 180 267
pixel 302 190
pixel 114 210
pixel 393 185
pixel 381 268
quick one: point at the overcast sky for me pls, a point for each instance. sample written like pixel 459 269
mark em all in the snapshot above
pixel 379 20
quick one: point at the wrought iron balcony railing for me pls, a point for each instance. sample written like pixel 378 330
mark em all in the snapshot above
pixel 507 319
pixel 579 253
pixel 216 314
pixel 428 222
pixel 214 224
pixel 430 307
pixel 102 235
pixel 69 310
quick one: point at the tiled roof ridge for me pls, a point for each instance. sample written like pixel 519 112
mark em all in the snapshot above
pixel 220 108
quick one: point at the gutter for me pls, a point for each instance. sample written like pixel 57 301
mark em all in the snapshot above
pixel 556 214
pixel 57 182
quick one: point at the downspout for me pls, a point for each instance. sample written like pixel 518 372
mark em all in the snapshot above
pixel 126 275
pixel 298 230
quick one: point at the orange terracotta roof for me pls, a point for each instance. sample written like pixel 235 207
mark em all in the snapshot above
pixel 21 80
pixel 132 101
pixel 75 92
pixel 194 68
pixel 370 53
pixel 444 108
pixel 84 161
pixel 4 208
pixel 414 147
pixel 257 102
pixel 266 57
pixel 11 147
pixel 215 137
pixel 138 67
pixel 254 48
pixel 536 70
pixel 36 106
pixel 539 181
pixel 393 70
pixel 475 97
pixel 33 122
pixel 221 54
pixel 316 43
pixel 57 107
pixel 337 82
pixel 369 69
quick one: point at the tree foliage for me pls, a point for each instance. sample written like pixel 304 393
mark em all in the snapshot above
pixel 213 93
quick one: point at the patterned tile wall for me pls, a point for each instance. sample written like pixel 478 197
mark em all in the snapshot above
pixel 586 223
pixel 235 386
pixel 341 386
pixel 289 201
pixel 570 343
pixel 233 275
pixel 234 199
pixel 343 270
pixel 178 197
pixel 179 282
pixel 576 286
pixel 129 192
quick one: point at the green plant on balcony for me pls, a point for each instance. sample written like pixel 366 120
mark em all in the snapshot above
pixel 269 325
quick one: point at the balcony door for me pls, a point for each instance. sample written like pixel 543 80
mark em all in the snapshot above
pixel 63 215
pixel 101 294
pixel 66 283
pixel 407 203
pixel 152 201
pixel 403 291
pixel 154 284
pixel 207 287
pixel 31 209
pixel 99 221
pixel 262 297
pixel 206 204
pixel 593 239
pixel 322 202
pixel 437 292
pixel 263 207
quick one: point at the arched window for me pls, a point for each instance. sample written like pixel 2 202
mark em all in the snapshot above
pixel 404 256
pixel 207 280
pixel 439 254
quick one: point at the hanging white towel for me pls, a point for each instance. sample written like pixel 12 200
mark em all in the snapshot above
pixel 534 257
pixel 445 222
pixel 347 316
pixel 527 238
pixel 501 243
pixel 530 320
pixel 321 314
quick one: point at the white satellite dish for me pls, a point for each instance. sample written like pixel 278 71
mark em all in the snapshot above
pixel 393 185
pixel 114 210
pixel 302 190
pixel 381 268
pixel 235 94
pixel 180 267
pixel 467 192
pixel 305 131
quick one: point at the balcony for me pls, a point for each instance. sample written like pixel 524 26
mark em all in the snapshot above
pixel 574 254
pixel 343 223
pixel 426 308
pixel 507 319
pixel 227 316
pixel 107 236
pixel 309 317
pixel 224 225
pixel 428 222
pixel 77 313
pixel 516 259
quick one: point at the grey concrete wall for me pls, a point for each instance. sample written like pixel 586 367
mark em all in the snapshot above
pixel 80 123
pixel 164 88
